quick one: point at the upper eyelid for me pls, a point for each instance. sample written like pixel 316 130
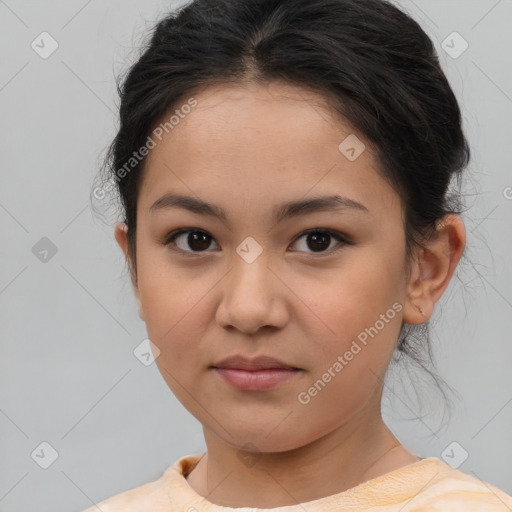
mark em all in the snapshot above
pixel 338 236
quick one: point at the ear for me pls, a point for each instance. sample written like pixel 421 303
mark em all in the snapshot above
pixel 121 234
pixel 433 268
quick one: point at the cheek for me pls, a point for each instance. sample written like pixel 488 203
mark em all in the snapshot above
pixel 174 320
pixel 347 367
pixel 173 300
pixel 353 295
pixel 360 312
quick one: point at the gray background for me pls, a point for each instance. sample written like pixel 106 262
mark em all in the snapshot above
pixel 69 325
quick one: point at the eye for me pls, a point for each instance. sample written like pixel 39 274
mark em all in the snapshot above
pixel 196 239
pixel 192 240
pixel 320 239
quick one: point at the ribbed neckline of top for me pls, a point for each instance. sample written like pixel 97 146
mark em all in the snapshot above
pixel 371 492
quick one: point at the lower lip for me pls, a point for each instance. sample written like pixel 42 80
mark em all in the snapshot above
pixel 259 380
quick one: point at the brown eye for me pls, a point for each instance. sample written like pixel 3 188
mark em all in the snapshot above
pixel 192 241
pixel 320 240
pixel 189 240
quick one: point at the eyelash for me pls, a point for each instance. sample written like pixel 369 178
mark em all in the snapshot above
pixel 341 239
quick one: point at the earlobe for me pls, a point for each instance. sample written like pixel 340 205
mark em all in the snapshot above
pixel 433 268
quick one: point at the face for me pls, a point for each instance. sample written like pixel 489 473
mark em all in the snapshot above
pixel 319 288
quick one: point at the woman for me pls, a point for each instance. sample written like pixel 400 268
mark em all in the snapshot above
pixel 284 171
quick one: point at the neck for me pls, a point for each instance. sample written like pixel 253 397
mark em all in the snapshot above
pixel 355 452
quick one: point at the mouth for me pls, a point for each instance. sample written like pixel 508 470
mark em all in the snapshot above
pixel 255 380
pixel 239 362
pixel 259 374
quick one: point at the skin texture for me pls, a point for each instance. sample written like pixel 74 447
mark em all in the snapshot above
pixel 249 149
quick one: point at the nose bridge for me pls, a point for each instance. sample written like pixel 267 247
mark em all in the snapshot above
pixel 251 275
pixel 251 295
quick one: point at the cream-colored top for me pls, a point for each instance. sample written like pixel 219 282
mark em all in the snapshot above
pixel 429 485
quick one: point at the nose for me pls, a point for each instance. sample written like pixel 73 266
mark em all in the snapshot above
pixel 253 297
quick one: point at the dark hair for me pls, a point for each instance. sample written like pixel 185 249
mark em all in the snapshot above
pixel 373 64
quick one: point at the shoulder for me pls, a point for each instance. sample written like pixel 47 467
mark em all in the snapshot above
pixel 154 495
pixel 151 494
pixel 453 490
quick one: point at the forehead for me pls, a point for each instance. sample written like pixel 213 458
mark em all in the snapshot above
pixel 270 142
pixel 245 118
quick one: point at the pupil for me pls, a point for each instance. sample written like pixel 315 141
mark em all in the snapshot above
pixel 319 237
pixel 194 241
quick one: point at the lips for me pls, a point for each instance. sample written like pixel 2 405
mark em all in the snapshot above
pixel 239 362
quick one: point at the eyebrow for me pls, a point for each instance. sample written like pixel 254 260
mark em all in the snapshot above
pixel 284 211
